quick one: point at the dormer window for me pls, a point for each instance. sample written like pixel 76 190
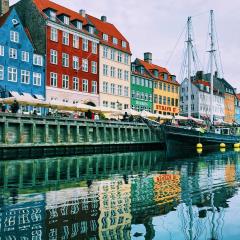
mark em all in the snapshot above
pixel 91 29
pixel 156 73
pixel 165 76
pixel 142 70
pixel 66 20
pixel 133 67
pixel 52 15
pixel 79 25
pixel 124 44
pixel 115 41
pixel 105 37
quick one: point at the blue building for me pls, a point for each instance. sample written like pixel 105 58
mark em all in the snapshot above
pixel 22 70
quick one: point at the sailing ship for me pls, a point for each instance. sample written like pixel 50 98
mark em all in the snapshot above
pixel 176 136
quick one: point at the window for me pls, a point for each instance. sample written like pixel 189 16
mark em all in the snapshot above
pixel 173 89
pixel 54 34
pixel 172 101
pixel 85 65
pixel 85 85
pixel 105 87
pixel 105 103
pixel 142 82
pixel 126 75
pixel 126 91
pixel 13 53
pixel 52 15
pixel 126 59
pixel 14 36
pixel 112 56
pixel 155 98
pixel 94 67
pixel 94 87
pixel 119 90
pixel 105 70
pixel 164 87
pixel 160 100
pixel 1 72
pixel 53 79
pixel 113 72
pixel 65 38
pixel 150 97
pixel 94 48
pixel 25 76
pixel 112 88
pixel 169 87
pixel 133 94
pixel 1 50
pixel 37 60
pixel 119 57
pixel 53 56
pixel 164 100
pixel 66 20
pixel 105 37
pixel 105 52
pixel 75 83
pixel 37 79
pixel 113 104
pixel 25 56
pixel 133 80
pixel 146 83
pixel 65 60
pixel 79 25
pixel 119 73
pixel 75 63
pixel 85 44
pixel 124 44
pixel 75 41
pixel 115 41
pixel 65 81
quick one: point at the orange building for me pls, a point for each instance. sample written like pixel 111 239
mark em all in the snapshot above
pixel 229 109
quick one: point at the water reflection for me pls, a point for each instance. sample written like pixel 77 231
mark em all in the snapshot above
pixel 141 195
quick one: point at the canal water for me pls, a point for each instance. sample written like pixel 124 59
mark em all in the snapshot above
pixel 142 195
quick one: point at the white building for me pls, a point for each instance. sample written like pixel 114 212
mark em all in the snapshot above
pixel 200 100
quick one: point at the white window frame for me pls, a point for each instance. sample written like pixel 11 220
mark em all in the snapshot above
pixel 65 81
pixel 75 83
pixel 13 53
pixel 53 79
pixel 25 56
pixel 113 72
pixel 105 37
pixel 1 72
pixel 65 60
pixel 66 20
pixel 37 79
pixel 94 67
pixel 53 56
pixel 14 36
pixel 112 88
pixel 115 41
pixel 119 57
pixel 13 72
pixel 124 44
pixel 76 41
pixel 105 52
pixel 94 87
pixel 54 34
pixel 85 85
pixel 113 54
pixel 65 38
pixel 1 50
pixel 85 65
pixel 94 47
pixel 85 44
pixel 25 77
pixel 75 62
pixel 105 70
pixel 37 60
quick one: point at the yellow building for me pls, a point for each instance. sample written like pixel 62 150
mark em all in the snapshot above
pixel 165 88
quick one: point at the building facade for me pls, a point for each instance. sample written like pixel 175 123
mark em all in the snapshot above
pixel 237 115
pixel 71 47
pixel 4 7
pixel 200 100
pixel 114 65
pixel 165 87
pixel 22 68
pixel 141 89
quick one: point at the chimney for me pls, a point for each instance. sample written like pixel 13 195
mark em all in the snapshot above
pixel 4 7
pixel 103 18
pixel 148 57
pixel 82 12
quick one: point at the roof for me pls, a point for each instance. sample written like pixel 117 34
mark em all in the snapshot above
pixel 141 74
pixel 4 18
pixel 207 84
pixel 110 30
pixel 150 67
pixel 238 96
pixel 45 4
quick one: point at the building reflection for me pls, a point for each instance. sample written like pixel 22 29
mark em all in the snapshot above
pixel 101 196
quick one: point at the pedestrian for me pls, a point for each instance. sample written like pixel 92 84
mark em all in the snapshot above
pixel 3 107
pixel 96 117
pixel 15 106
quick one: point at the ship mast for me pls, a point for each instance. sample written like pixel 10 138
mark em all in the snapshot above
pixel 189 45
pixel 211 51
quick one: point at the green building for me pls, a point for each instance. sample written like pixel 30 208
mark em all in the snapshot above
pixel 141 88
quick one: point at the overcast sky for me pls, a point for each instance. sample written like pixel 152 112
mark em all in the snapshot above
pixel 155 26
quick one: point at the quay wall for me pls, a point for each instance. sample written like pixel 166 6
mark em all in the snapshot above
pixel 23 136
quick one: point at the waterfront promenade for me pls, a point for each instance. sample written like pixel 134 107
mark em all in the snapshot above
pixel 24 136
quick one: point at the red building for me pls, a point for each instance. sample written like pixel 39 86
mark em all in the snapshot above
pixel 71 48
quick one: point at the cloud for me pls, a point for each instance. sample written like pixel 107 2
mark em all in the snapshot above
pixel 155 25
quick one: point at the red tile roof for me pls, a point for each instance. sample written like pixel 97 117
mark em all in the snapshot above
pixel 150 67
pixel 4 18
pixel 202 82
pixel 44 4
pixel 111 31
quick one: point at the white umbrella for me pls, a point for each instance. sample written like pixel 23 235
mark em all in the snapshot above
pixel 131 112
pixel 179 117
pixel 147 114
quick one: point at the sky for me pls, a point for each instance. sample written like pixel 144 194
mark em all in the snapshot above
pixel 156 26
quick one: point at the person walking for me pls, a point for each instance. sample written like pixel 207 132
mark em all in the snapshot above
pixel 15 106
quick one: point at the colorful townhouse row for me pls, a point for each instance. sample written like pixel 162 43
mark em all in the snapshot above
pixel 51 52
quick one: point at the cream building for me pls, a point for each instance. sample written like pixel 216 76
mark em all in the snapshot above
pixel 114 65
